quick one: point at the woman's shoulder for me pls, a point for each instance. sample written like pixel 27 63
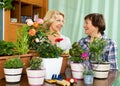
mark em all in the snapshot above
pixel 65 37
pixel 110 41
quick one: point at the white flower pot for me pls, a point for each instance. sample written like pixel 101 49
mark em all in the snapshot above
pixel 35 77
pixel 101 70
pixel 13 75
pixel 52 66
pixel 77 70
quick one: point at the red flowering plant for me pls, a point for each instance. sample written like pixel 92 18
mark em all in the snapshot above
pixel 38 40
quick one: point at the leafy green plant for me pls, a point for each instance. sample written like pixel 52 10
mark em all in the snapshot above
pixel 35 63
pixel 48 50
pixel 19 47
pixel 88 72
pixel 21 44
pixel 7 4
pixel 76 52
pixel 6 48
pixel 96 48
pixel 14 62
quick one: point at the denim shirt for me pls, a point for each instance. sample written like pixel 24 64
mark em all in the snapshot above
pixel 110 51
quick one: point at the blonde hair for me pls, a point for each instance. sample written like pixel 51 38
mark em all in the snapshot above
pixel 50 17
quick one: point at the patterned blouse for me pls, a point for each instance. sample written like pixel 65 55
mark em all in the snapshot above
pixel 110 51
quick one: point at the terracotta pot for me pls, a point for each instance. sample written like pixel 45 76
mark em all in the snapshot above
pixel 64 64
pixel 33 52
pixel 1 67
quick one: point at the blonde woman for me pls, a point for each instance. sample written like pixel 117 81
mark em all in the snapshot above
pixel 54 21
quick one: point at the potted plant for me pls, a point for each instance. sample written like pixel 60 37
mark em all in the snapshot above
pixel 18 49
pixel 100 67
pixel 88 76
pixel 80 65
pixel 51 56
pixel 38 41
pixel 13 69
pixel 76 61
pixel 96 49
pixel 88 73
pixel 35 72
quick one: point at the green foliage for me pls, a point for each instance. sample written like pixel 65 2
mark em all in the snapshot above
pixel 7 4
pixel 19 47
pixel 35 63
pixel 88 72
pixel 75 53
pixel 13 63
pixel 48 50
pixel 96 48
pixel 6 48
pixel 21 44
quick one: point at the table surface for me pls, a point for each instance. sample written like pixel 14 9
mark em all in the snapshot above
pixel 112 80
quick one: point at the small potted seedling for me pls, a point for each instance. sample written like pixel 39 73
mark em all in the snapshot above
pixel 35 72
pixel 13 69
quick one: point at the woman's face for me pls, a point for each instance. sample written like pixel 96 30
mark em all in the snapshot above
pixel 89 28
pixel 57 24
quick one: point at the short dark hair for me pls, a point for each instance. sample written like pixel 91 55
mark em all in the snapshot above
pixel 97 21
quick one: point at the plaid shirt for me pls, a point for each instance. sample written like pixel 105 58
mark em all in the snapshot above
pixel 110 51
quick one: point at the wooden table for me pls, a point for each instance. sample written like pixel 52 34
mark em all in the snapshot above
pixel 113 76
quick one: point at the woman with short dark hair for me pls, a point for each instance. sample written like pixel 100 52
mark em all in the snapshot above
pixel 94 26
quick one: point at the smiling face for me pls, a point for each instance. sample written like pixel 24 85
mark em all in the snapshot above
pixel 89 28
pixel 94 24
pixel 57 24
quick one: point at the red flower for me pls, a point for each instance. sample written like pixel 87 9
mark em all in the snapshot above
pixel 58 39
